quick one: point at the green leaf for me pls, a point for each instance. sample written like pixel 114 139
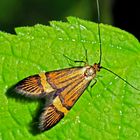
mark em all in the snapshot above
pixel 113 111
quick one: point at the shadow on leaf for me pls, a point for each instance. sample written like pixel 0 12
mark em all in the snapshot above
pixel 10 93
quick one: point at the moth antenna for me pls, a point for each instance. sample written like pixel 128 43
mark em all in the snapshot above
pixel 100 43
pixel 99 32
pixel 119 77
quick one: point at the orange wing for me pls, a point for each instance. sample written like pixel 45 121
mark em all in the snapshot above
pixel 70 84
pixel 34 86
pixel 50 117
pixel 67 86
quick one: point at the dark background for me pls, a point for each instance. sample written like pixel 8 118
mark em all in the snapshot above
pixel 120 13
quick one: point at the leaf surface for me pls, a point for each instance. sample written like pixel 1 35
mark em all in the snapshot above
pixel 110 110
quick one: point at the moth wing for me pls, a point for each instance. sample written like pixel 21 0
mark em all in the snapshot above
pixel 44 83
pixel 72 93
pixel 34 86
pixel 50 117
pixel 71 84
pixel 53 113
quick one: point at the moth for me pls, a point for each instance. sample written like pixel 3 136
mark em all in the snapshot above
pixel 64 86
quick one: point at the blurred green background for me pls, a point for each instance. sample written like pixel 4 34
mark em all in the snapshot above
pixel 123 14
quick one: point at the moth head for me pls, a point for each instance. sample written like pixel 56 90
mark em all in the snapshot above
pixel 97 67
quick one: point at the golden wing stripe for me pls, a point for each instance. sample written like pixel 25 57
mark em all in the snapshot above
pixel 71 94
pixel 62 103
pixel 75 93
pixel 34 86
pixel 62 73
pixel 50 117
pixel 64 79
pixel 72 84
pixel 67 76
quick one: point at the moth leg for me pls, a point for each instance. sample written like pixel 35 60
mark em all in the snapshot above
pixel 92 86
pixel 94 83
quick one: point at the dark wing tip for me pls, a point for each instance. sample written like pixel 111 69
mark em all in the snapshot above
pixel 30 87
pixel 49 118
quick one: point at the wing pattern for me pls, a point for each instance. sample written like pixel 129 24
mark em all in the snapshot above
pixel 34 86
pixel 70 85
pixel 67 86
